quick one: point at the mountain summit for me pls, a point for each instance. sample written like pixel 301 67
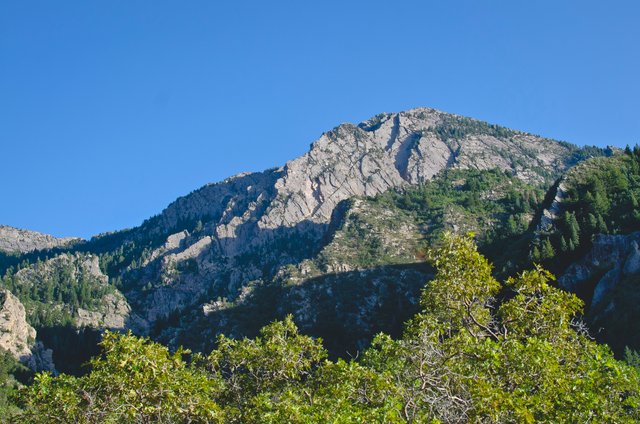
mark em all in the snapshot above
pixel 198 265
pixel 246 227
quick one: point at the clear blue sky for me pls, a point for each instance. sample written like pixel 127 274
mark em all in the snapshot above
pixel 109 110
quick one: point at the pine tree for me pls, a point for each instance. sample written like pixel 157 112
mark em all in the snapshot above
pixel 627 150
pixel 574 228
pixel 602 226
pixel 535 254
pixel 563 244
pixel 198 227
pixel 512 226
pixel 547 251
pixel 633 201
pixel 592 221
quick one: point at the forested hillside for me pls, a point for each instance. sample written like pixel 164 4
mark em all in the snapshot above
pixel 479 350
pixel 334 248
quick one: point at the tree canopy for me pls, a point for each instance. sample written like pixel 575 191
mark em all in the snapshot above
pixel 479 351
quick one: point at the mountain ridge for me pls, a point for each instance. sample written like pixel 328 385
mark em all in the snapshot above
pixel 220 243
pixel 18 240
pixel 249 212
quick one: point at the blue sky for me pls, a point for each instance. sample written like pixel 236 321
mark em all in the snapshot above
pixel 109 110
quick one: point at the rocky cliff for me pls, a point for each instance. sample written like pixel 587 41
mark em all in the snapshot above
pixel 367 274
pixel 611 259
pixel 19 338
pixel 17 240
pixel 74 286
pixel 302 238
pixel 252 224
pixel 608 279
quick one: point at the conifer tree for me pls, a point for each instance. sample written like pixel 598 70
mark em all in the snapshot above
pixel 563 244
pixel 535 254
pixel 602 226
pixel 547 251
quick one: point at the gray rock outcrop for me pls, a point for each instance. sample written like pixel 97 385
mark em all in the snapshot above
pixel 611 258
pixel 19 338
pixel 254 223
pixel 550 214
pixel 18 240
pixel 16 335
pixel 111 311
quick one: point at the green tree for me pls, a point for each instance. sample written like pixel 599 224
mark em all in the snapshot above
pixel 602 226
pixel 573 228
pixel 534 255
pixel 199 226
pixel 134 381
pixel 547 251
pixel 525 362
pixel 563 244
pixel 279 359
pixel 512 226
pixel 479 351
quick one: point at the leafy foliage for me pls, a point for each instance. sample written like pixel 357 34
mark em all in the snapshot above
pixel 479 351
pixel 12 375
pixel 135 381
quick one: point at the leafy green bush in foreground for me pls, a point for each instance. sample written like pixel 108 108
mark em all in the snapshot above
pixel 466 357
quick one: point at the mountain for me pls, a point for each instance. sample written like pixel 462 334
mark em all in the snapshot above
pixel 334 236
pixel 254 223
pixel 14 240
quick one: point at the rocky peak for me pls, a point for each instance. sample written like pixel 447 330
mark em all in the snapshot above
pixel 224 235
pixel 388 151
pixel 394 150
pixel 18 240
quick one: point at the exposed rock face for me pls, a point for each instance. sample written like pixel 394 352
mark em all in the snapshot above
pixel 369 275
pixel 255 223
pixel 612 258
pixel 41 359
pixel 302 233
pixel 388 151
pixel 18 337
pixel 550 214
pixel 110 311
pixel 17 240
pixel 112 314
pixel 610 275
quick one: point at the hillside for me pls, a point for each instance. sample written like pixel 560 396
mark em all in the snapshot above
pixel 214 241
pixel 334 237
pixel 470 355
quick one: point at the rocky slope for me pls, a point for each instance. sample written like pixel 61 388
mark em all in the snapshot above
pixel 608 278
pixel 600 271
pixel 368 274
pixel 290 239
pixel 16 240
pixel 19 338
pixel 254 223
pixel 74 286
pixel 16 336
